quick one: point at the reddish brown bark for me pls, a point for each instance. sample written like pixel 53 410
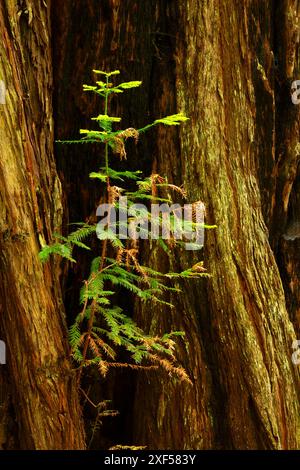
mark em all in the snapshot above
pixel 41 382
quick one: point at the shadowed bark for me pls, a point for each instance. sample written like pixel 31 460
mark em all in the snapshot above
pixel 226 149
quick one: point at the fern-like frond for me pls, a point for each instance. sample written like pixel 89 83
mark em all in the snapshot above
pixel 173 120
pixel 74 335
pixel 81 233
pixel 127 85
pixel 107 74
pixel 106 118
pixel 60 249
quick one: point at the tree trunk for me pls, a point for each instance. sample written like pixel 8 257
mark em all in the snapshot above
pixel 41 382
pixel 233 79
pixel 225 84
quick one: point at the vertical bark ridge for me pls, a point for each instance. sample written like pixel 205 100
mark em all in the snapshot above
pixel 32 318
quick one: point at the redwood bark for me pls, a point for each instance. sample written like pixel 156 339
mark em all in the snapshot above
pixel 228 90
pixel 41 382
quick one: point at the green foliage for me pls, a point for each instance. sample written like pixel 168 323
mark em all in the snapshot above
pixel 115 175
pixel 105 122
pixel 107 74
pixel 64 250
pixel 65 247
pixel 102 327
pixel 174 120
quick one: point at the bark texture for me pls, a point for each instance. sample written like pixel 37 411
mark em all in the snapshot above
pixel 41 382
pixel 228 90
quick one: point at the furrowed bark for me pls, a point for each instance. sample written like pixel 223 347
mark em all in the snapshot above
pixel 225 148
pixel 32 315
